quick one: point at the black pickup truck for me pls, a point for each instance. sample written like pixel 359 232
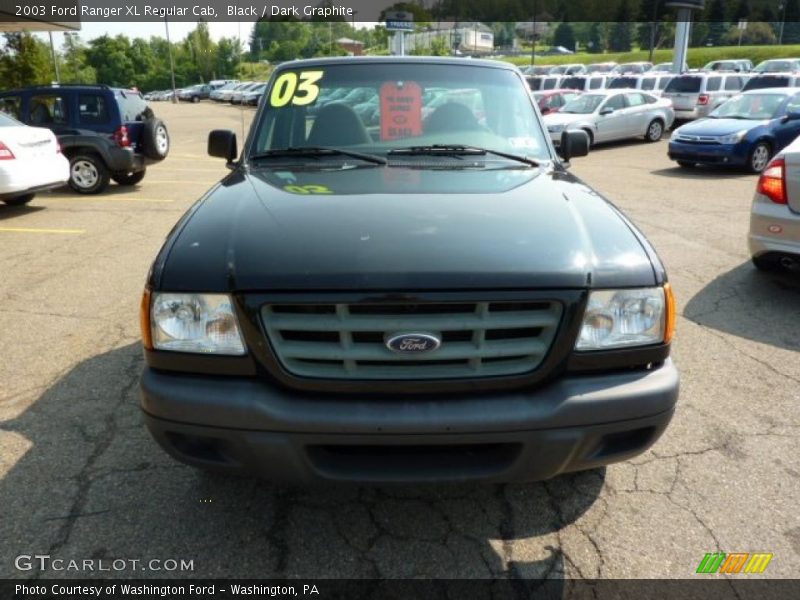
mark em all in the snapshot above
pixel 404 284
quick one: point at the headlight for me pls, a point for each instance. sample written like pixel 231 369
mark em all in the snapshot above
pixel 556 128
pixel 733 138
pixel 674 135
pixel 200 323
pixel 625 318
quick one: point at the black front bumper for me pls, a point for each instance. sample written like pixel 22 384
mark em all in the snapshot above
pixel 244 424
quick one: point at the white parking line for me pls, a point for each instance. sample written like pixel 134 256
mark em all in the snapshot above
pixel 40 230
pixel 109 199
pixel 183 182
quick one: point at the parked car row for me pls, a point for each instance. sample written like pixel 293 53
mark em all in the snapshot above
pixel 602 68
pixel 244 92
pixel 694 95
pixel 193 93
pixel 737 65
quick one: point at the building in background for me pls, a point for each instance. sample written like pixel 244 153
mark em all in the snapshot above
pixel 466 37
pixel 352 47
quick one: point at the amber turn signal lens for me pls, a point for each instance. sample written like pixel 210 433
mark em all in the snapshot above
pixel 671 316
pixel 144 321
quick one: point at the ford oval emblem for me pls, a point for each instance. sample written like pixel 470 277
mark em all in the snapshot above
pixel 412 343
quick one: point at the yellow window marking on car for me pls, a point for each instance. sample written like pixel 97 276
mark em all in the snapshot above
pixel 38 230
pixel 307 189
pixel 300 89
pixel 308 86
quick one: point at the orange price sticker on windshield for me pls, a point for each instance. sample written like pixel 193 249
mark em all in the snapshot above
pixel 401 110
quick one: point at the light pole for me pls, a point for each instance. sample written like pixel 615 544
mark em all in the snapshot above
pixel 171 63
pixel 55 57
pixel 69 38
pixel 782 8
pixel 653 25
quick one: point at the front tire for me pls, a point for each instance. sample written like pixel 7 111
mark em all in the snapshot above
pixel 88 174
pixel 19 200
pixel 759 157
pixel 195 99
pixel 655 131
pixel 128 178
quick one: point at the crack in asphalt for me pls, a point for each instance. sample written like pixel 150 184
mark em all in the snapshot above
pixel 102 443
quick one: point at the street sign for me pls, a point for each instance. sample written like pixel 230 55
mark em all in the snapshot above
pixel 397 20
pixel 399 26
pixel 690 4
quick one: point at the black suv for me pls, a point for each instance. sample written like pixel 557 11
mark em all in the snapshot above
pixel 426 296
pixel 106 133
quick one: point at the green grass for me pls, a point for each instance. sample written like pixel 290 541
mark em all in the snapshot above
pixel 697 57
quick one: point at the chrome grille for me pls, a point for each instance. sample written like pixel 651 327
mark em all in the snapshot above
pixel 698 139
pixel 347 341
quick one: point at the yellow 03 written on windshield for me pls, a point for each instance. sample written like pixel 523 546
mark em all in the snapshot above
pixel 295 88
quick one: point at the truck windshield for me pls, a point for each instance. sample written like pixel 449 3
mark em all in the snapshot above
pixel 375 108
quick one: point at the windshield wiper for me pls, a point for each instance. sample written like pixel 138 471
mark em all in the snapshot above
pixel 316 151
pixel 458 149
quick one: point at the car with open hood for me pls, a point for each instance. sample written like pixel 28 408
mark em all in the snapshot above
pixel 432 296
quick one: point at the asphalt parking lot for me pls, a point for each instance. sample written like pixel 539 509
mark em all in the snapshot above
pixel 80 477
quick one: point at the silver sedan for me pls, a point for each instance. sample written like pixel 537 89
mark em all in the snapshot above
pixel 608 115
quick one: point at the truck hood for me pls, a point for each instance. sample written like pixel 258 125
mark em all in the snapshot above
pixel 402 228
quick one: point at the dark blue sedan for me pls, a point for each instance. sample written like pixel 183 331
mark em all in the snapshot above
pixel 745 131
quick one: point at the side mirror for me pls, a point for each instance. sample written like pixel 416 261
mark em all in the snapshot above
pixel 546 110
pixel 606 111
pixel 222 144
pixel 792 116
pixel 574 144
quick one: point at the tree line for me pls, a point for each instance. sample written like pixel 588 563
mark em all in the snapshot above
pixel 119 60
pixel 145 63
pixel 25 59
pixel 718 26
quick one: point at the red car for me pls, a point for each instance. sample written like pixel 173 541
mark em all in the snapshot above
pixel 551 101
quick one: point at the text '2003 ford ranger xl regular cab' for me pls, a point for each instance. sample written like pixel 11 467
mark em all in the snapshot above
pixel 399 281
